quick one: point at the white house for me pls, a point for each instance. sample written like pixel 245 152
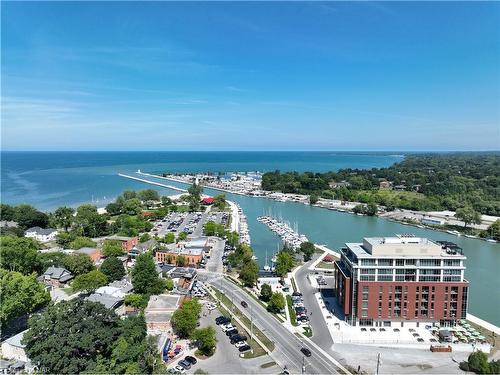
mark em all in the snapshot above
pixel 40 234
pixel 13 349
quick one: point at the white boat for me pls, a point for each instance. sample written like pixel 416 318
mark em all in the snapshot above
pixel 266 266
pixel 491 240
pixel 454 232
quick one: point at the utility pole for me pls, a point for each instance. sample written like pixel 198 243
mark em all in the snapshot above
pixel 378 362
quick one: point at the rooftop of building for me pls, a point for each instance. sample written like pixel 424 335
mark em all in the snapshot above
pixel 404 245
pixel 163 302
pixel 181 249
pixel 41 231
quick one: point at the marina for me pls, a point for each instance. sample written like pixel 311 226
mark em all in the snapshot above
pixel 289 236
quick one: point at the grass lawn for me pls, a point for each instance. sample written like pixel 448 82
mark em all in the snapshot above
pixel 294 286
pixel 291 311
pixel 328 265
pixel 68 290
pixel 266 341
pixel 308 332
pixel 491 338
pixel 268 364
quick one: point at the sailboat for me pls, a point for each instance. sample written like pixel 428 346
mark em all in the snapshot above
pixel 266 266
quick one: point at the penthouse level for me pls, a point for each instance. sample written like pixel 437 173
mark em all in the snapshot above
pixel 402 278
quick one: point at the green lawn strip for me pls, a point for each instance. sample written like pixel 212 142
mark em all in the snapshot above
pixel 268 364
pixel 266 341
pixel 294 286
pixel 291 311
pixel 326 265
pixel 308 332
pixel 68 290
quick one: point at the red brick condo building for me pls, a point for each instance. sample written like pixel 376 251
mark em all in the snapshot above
pixel 386 281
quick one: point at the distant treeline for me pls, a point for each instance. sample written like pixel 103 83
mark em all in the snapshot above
pixel 419 182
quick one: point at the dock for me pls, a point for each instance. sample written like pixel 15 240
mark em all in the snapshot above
pixel 153 183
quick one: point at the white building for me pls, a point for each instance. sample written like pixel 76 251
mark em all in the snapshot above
pixel 40 234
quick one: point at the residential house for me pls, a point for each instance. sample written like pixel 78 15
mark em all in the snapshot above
pixel 41 234
pixel 13 349
pixel 56 276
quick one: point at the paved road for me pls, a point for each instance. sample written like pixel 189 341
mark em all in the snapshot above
pixel 321 334
pixel 287 345
pixel 214 264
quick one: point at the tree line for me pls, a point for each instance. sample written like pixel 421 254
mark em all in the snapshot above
pixel 429 182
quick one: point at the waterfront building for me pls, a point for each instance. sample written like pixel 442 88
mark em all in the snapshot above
pixel 385 281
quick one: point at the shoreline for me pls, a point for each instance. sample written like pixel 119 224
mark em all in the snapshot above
pixel 346 210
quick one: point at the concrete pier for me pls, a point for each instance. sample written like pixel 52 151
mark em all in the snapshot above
pixel 153 183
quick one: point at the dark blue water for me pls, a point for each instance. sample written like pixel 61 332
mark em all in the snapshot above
pixel 51 179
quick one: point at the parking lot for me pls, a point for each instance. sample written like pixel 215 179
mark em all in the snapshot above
pixel 226 359
pixel 190 223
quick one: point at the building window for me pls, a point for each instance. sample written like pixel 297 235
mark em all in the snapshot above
pixel 400 262
pixel 385 262
pixel 367 262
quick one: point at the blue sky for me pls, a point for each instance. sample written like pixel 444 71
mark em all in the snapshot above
pixel 250 76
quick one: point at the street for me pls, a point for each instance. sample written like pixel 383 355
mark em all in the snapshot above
pixel 287 345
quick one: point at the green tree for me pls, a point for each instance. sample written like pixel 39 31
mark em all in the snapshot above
pixel 371 209
pixel 129 194
pixel 195 191
pixel 114 208
pixel 220 201
pixel 493 231
pixel 64 217
pixel 307 248
pixel 148 195
pixel 112 248
pixel 138 301
pixel 78 264
pixel 132 207
pixel 313 199
pixel 205 339
pixel 88 222
pixel 284 263
pixel 80 242
pixel 182 236
pixel 266 292
pixel 276 303
pixel 233 238
pixel 145 237
pixel 169 283
pixel 7 212
pixel 27 216
pixel 21 294
pixel 65 238
pixel 250 273
pixel 166 201
pixel 468 215
pixel 185 318
pixel 169 238
pixel 113 268
pixel 89 282
pixel 478 362
pixel 144 276
pixel 20 254
pixel 68 336
pixel 181 261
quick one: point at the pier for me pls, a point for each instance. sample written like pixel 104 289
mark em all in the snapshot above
pixel 153 183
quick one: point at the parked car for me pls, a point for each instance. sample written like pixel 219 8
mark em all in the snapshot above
pixel 237 338
pixel 240 344
pixel 180 369
pixel 233 331
pixel 185 364
pixel 191 359
pixel 306 352
pixel 227 327
pixel 244 348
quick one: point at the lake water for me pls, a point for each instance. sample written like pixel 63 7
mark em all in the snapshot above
pixel 48 180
